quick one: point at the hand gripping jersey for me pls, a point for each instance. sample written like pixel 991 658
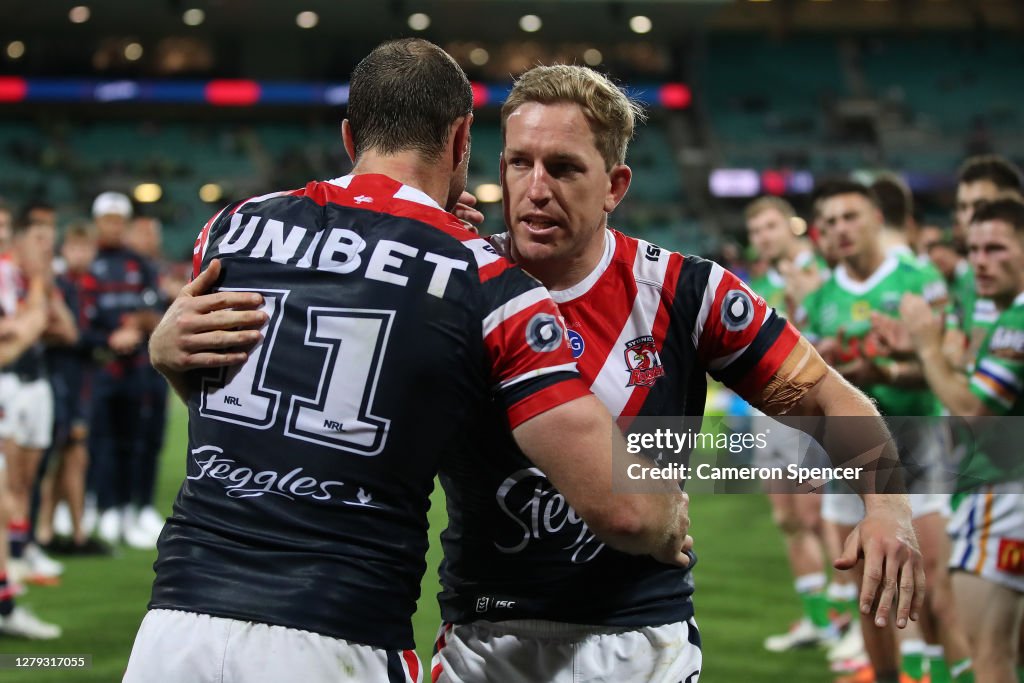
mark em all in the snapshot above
pixel 645 327
pixel 391 330
pixel 843 305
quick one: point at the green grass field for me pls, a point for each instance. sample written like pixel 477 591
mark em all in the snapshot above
pixel 744 593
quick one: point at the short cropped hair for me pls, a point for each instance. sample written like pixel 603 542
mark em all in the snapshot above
pixel 404 96
pixel 612 115
pixel 834 188
pixel 79 230
pixel 1003 173
pixel 894 199
pixel 1007 209
pixel 770 202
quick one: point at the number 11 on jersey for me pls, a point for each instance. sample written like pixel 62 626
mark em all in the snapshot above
pixel 338 411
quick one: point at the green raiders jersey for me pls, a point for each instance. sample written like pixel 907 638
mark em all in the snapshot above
pixel 842 309
pixel 967 312
pixel 998 380
pixel 772 288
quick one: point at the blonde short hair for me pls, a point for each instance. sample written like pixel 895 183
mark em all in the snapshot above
pixel 770 202
pixel 612 115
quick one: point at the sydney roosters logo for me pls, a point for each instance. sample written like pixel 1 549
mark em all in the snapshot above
pixel 642 362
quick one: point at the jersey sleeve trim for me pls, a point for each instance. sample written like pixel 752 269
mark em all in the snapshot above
pixel 996 386
pixel 539 372
pixel 513 307
pixel 568 389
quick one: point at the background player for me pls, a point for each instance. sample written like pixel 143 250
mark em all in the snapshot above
pixel 989 523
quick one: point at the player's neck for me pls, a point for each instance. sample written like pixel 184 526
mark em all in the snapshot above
pixel 410 169
pixel 862 266
pixel 1004 301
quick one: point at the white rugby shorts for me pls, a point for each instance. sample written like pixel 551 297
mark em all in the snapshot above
pixel 988 535
pixel 185 647
pixel 531 651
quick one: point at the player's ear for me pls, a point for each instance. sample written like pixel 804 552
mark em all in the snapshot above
pixel 460 139
pixel 346 137
pixel 620 177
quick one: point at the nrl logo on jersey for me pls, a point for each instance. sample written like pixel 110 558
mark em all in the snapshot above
pixel 642 362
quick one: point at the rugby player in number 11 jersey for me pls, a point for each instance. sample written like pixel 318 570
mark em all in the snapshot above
pixel 388 331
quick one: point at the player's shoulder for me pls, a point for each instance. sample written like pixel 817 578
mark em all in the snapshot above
pixel 1012 317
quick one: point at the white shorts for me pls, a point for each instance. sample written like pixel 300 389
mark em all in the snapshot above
pixel 31 414
pixel 529 651
pixel 9 384
pixel 184 647
pixel 988 535
pixel 847 509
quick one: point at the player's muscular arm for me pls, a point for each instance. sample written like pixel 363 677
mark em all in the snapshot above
pixel 202 330
pixel 946 381
pixel 573 445
pixel 61 329
pixel 28 323
pixel 885 539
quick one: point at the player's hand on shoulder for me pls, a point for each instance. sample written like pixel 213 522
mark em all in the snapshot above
pixel 464 210
pixel 202 329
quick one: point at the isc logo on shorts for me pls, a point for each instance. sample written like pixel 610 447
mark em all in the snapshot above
pixel 1011 556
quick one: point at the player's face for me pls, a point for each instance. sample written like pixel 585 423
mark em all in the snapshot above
pixel 969 196
pixel 110 228
pixel 770 234
pixel 5 230
pixel 144 236
pixel 996 253
pixel 557 190
pixel 78 253
pixel 41 239
pixel 852 222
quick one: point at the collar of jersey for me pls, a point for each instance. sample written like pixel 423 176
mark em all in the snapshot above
pixel 406 192
pixel 844 280
pixel 1019 300
pixel 583 286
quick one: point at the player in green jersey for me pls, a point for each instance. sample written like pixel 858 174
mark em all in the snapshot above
pixel 869 282
pixel 776 235
pixel 989 523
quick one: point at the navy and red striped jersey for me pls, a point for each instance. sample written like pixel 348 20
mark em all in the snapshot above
pixel 645 327
pixel 120 283
pixel 393 331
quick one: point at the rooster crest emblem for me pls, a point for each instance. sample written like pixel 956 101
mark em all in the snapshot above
pixel 642 362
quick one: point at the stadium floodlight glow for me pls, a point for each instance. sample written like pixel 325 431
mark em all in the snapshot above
pixel 488 193
pixel 419 21
pixel 640 24
pixel 592 56
pixel 211 192
pixel 530 23
pixel 479 56
pixel 147 193
pixel 79 14
pixel 307 19
pixel 15 49
pixel 193 17
pixel 133 52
